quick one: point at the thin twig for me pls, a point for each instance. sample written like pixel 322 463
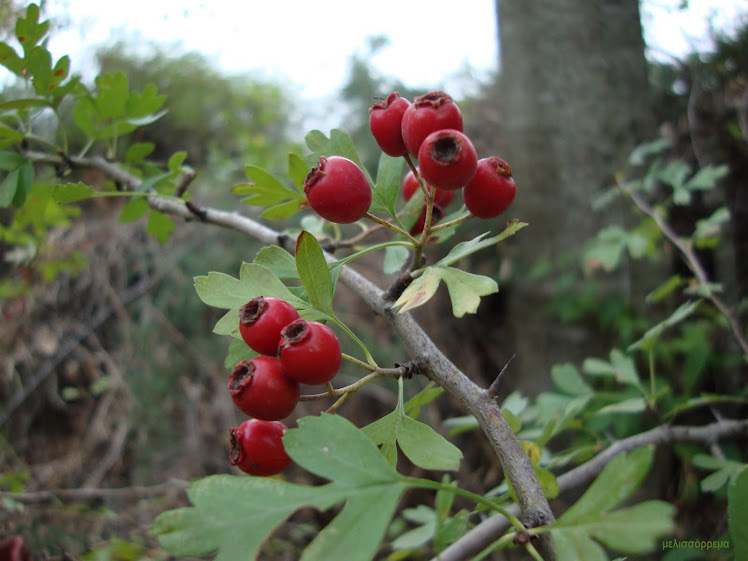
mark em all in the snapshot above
pixel 87 494
pixel 693 263
pixel 487 531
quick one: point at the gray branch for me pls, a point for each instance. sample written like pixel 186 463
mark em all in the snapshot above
pixel 534 507
pixel 489 530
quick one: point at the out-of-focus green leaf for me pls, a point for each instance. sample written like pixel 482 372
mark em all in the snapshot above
pixel 737 513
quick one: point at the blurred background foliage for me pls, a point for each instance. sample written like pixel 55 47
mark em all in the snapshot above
pixel 131 379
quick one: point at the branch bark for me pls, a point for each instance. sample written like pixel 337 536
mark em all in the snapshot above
pixel 534 507
pixel 489 530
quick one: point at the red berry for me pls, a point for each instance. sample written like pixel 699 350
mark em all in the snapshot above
pixel 338 190
pixel 429 113
pixel 261 320
pixel 491 190
pixel 410 185
pixel 385 119
pixel 14 549
pixel 447 159
pixel 257 447
pixel 260 388
pixel 436 215
pixel 309 352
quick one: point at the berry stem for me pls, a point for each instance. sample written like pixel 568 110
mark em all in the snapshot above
pixel 360 363
pixel 391 226
pixel 357 385
pixel 478 499
pixel 455 222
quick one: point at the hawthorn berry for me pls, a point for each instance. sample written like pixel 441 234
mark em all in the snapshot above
pixel 257 447
pixel 261 320
pixel 260 388
pixel 436 215
pixel 429 113
pixel 385 121
pixel 447 159
pixel 442 197
pixel 338 190
pixel 491 190
pixel 309 352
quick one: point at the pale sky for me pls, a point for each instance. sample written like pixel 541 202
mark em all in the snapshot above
pixel 308 44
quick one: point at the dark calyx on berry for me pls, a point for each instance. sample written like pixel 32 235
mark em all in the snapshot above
pixel 252 310
pixel 446 148
pixel 245 369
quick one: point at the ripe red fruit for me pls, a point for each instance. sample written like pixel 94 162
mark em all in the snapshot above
pixel 309 352
pixel 338 190
pixel 257 447
pixel 491 190
pixel 410 185
pixel 261 320
pixel 447 159
pixel 436 215
pixel 385 119
pixel 14 549
pixel 429 113
pixel 260 388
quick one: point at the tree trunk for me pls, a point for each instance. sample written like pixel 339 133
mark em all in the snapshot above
pixel 574 99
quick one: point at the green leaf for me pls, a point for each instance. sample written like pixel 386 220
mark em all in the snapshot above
pixel 634 530
pixel 297 169
pixel 620 367
pixel 8 188
pixel 10 59
pixel 737 514
pixel 706 178
pixel 338 144
pixel 463 249
pixel 632 405
pixel 355 533
pixel 160 226
pixel 681 313
pixel 331 447
pixel 395 258
pixel 618 480
pixel 568 379
pixel 421 444
pixel 420 290
pixel 224 291
pixel 313 272
pixel 176 160
pixel 133 210
pixel 427 449
pixel 279 261
pixel 465 289
pixel 666 289
pixel 266 190
pixel 643 151
pixel 548 482
pixel 25 184
pixel 72 192
pixel 138 152
pixel 238 351
pixel 234 515
pixel 711 226
pixel 387 187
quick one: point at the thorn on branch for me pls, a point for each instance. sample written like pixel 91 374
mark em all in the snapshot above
pixel 493 389
pixel 196 210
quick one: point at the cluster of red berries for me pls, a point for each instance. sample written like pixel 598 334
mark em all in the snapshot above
pixel 431 129
pixel 267 388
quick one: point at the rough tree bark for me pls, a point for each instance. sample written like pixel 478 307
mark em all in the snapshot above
pixel 574 99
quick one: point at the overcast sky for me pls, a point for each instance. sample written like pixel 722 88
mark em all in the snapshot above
pixel 308 44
